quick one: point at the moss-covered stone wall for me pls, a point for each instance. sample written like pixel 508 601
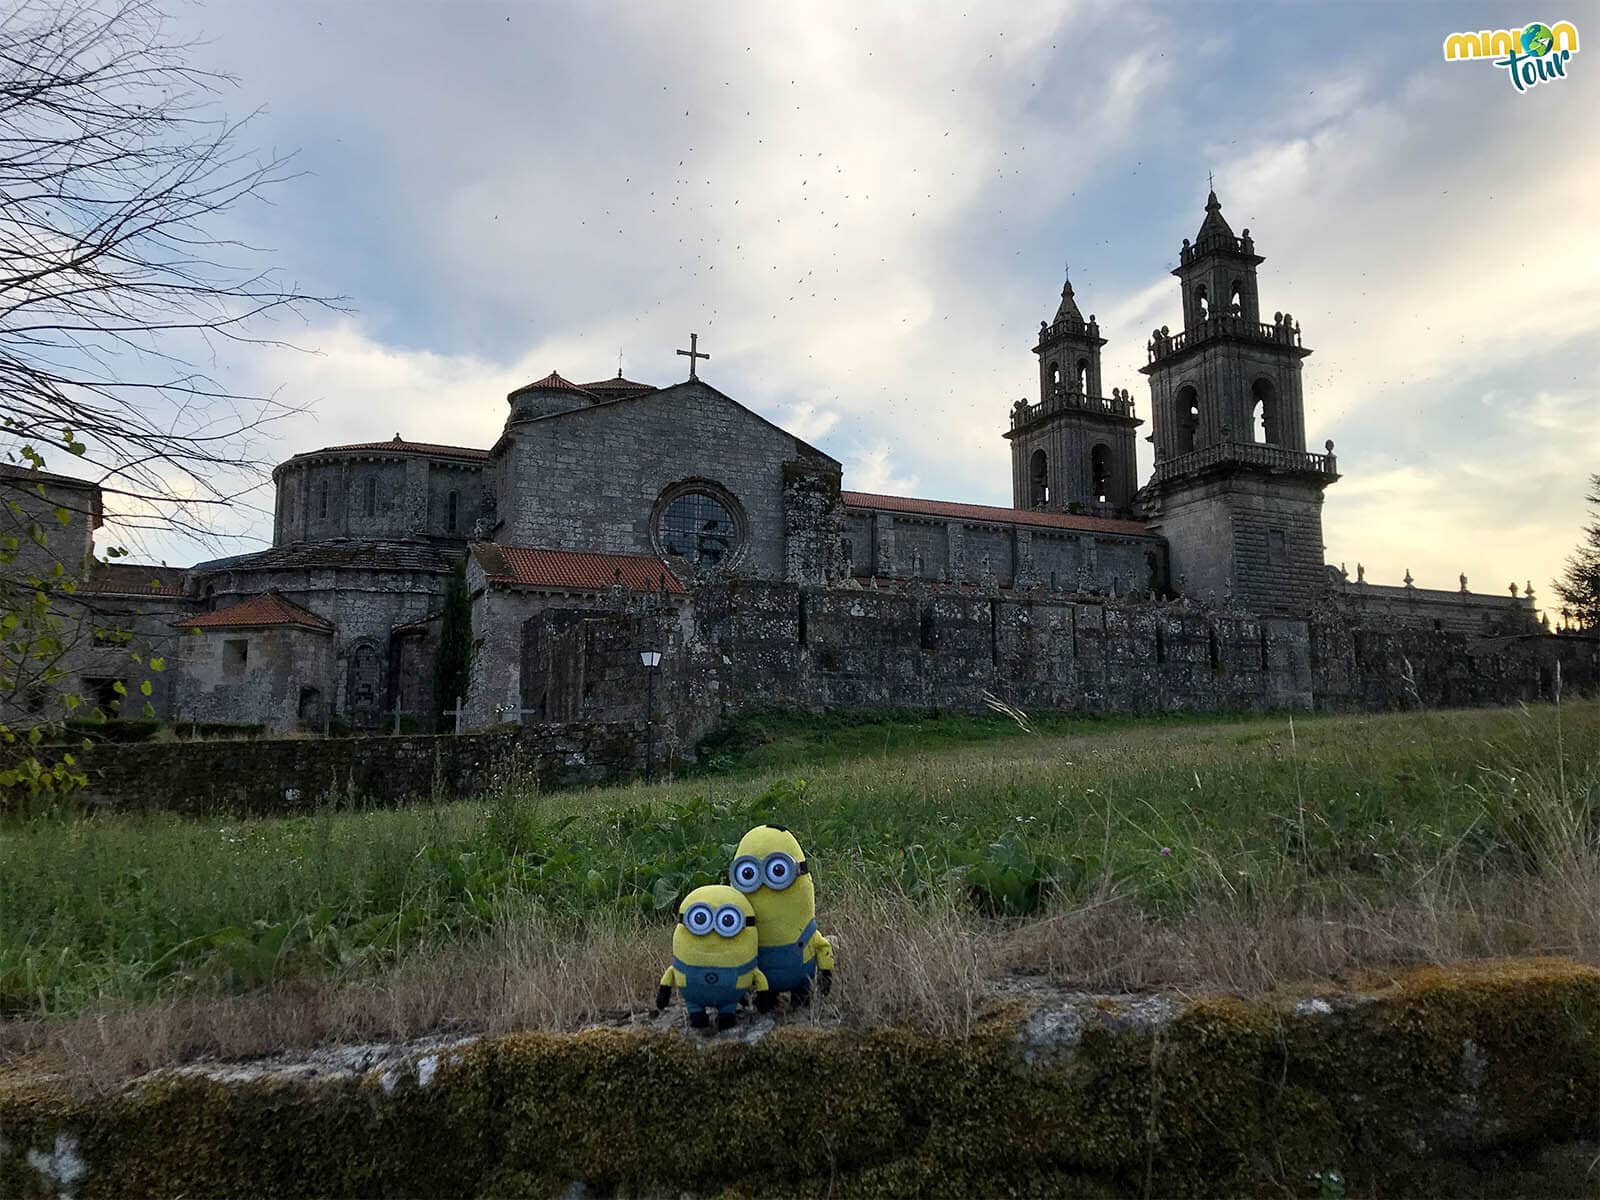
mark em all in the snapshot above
pixel 1474 1080
pixel 271 776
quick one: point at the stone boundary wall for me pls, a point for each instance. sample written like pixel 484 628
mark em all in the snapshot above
pixel 260 776
pixel 1479 1080
pixel 748 645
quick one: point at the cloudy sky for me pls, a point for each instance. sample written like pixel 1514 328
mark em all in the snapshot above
pixel 864 211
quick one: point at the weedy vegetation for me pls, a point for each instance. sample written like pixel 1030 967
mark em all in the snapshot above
pixel 1242 854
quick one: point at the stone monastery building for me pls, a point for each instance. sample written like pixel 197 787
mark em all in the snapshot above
pixel 620 496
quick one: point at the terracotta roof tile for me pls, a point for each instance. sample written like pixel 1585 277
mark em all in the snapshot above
pixel 574 570
pixel 613 388
pixel 993 514
pixel 258 611
pixel 552 383
pixel 398 445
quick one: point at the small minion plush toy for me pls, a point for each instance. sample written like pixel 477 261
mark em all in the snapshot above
pixel 770 868
pixel 714 953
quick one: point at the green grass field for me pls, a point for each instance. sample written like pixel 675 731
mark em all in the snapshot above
pixel 1112 853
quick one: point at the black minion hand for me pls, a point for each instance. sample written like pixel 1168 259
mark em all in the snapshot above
pixel 825 981
pixel 663 997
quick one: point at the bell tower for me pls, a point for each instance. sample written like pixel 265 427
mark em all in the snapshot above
pixel 1234 491
pixel 1073 450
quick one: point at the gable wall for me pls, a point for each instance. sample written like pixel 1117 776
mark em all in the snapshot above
pixel 590 479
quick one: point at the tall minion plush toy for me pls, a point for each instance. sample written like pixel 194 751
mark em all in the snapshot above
pixel 770 868
pixel 714 955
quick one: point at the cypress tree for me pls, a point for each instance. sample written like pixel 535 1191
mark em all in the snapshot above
pixel 1579 585
pixel 452 664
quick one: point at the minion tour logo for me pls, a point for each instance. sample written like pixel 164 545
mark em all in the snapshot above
pixel 1532 55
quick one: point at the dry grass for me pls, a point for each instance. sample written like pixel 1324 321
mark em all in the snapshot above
pixel 1514 871
pixel 932 966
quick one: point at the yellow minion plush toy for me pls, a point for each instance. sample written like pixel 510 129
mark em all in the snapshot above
pixel 714 954
pixel 770 868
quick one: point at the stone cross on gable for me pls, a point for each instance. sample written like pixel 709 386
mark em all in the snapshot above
pixel 692 353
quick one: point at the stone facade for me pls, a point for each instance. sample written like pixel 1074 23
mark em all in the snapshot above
pixel 617 496
pixel 752 646
pixel 296 775
pixel 280 677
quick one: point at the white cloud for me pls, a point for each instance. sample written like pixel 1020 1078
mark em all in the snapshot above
pixel 855 205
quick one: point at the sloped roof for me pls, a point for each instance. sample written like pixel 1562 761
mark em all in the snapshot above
pixel 351 553
pixel 1069 306
pixel 15 471
pixel 1215 225
pixel 552 383
pixel 993 514
pixel 257 612
pixel 398 445
pixel 133 579
pixel 612 389
pixel 606 403
pixel 573 570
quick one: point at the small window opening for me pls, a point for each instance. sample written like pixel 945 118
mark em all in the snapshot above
pixel 1038 476
pixel 800 621
pixel 1264 412
pixel 1100 473
pixel 452 504
pixel 322 501
pixel 1202 302
pixel 235 655
pixel 1277 547
pixel 1188 419
pixel 927 631
pixel 1055 374
pixel 1236 298
pixel 104 694
pixel 1083 376
pixel 372 496
pixel 1213 650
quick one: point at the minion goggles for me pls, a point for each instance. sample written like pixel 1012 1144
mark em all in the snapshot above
pixel 727 921
pixel 777 871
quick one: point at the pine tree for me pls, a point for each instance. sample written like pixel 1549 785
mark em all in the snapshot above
pixel 452 664
pixel 1579 585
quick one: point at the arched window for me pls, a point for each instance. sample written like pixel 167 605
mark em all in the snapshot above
pixel 1236 298
pixel 1038 480
pixel 1055 374
pixel 1188 411
pixel 372 495
pixel 1202 302
pixel 1264 412
pixel 1083 376
pixel 364 685
pixel 1100 473
pixel 452 502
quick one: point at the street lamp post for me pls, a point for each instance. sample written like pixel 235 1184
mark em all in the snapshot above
pixel 651 660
